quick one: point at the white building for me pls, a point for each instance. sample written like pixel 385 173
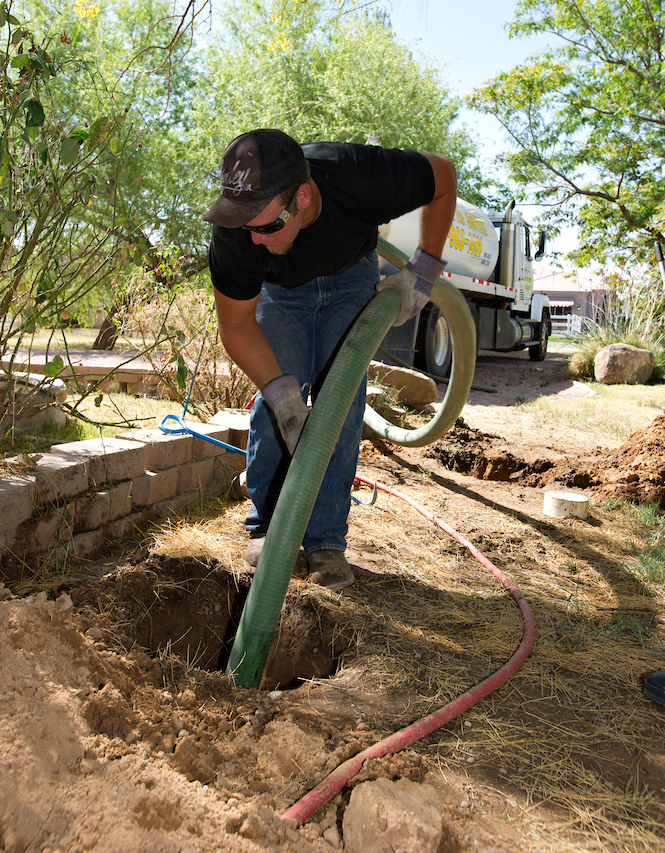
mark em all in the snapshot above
pixel 574 295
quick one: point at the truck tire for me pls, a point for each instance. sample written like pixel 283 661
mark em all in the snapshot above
pixel 433 342
pixel 539 351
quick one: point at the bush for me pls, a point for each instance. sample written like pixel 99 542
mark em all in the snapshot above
pixel 631 316
pixel 179 337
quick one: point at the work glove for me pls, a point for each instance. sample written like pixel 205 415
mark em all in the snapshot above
pixel 415 283
pixel 284 398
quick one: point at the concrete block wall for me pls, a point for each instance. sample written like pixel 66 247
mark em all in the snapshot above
pixel 84 496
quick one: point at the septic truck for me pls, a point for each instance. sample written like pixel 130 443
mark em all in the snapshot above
pixel 488 258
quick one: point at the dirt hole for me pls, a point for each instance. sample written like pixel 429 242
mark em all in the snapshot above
pixel 190 607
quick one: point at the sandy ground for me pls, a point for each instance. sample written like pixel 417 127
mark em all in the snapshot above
pixel 119 730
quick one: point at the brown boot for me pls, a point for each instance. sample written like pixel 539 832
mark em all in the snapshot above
pixel 329 568
pixel 253 553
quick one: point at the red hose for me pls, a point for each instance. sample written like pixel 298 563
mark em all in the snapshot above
pixel 332 784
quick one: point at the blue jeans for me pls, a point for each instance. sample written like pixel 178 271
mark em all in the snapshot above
pixel 305 328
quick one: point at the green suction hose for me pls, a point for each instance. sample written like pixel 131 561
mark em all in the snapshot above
pixel 296 501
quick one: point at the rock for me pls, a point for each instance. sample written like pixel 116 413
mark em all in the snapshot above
pixel 384 816
pixel 619 364
pixel 413 388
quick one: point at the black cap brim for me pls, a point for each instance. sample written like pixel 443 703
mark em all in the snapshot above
pixel 234 214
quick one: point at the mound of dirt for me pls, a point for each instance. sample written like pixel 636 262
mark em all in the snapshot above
pixel 633 472
pixel 105 746
pixel 636 471
pixel 483 455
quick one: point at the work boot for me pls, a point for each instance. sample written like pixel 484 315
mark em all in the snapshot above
pixel 253 553
pixel 654 687
pixel 329 568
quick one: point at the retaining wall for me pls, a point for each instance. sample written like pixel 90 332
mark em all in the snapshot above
pixel 83 497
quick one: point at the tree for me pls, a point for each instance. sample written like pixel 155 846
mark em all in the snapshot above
pixel 587 120
pixel 113 66
pixel 320 71
pixel 66 139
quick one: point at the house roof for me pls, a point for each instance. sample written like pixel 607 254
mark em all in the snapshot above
pixel 548 280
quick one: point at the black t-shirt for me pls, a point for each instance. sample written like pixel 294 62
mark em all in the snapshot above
pixel 362 187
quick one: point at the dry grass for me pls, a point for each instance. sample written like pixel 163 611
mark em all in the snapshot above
pixel 567 750
pixel 568 740
pixel 607 418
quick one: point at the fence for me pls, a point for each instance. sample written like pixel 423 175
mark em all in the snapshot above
pixel 566 325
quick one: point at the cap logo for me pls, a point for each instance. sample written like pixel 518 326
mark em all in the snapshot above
pixel 236 180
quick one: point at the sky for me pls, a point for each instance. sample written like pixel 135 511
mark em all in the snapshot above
pixel 468 42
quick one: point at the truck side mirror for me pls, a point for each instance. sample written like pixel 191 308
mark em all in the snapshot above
pixel 542 238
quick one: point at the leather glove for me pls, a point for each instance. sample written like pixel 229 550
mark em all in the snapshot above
pixel 284 398
pixel 415 283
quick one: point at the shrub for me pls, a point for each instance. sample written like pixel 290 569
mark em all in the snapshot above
pixel 633 315
pixel 178 332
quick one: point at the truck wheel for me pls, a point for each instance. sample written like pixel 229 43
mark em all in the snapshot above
pixel 433 343
pixel 539 351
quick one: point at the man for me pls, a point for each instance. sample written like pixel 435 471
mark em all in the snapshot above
pixel 293 263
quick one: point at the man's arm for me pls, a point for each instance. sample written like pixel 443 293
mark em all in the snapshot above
pixel 243 339
pixel 249 348
pixel 437 216
pixel 416 280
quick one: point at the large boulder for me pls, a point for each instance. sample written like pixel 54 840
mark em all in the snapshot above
pixel 412 388
pixel 621 364
pixel 384 817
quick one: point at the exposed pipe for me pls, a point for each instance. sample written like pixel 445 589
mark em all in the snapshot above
pixel 333 783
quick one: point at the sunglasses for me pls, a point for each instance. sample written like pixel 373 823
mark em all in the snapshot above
pixel 276 224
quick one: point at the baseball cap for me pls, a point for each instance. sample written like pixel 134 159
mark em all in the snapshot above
pixel 256 167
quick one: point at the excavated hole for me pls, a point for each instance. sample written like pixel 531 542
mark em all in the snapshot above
pixel 191 608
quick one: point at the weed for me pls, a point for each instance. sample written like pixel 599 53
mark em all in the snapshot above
pixel 652 565
pixel 627 623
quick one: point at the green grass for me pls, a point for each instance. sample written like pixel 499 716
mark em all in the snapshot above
pixel 615 410
pixel 649 562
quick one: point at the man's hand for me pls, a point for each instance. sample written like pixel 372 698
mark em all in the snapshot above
pixel 284 398
pixel 415 283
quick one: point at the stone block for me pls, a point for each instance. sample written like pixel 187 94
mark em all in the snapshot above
pixel 411 387
pixel 175 505
pixel 204 449
pixel 237 423
pixel 17 496
pixel 96 510
pixel 42 534
pixel 57 477
pixel 195 475
pixel 163 450
pixel 110 460
pixel 85 546
pixel 155 486
pixel 123 528
pixel 226 468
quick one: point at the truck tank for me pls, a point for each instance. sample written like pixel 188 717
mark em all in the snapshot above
pixel 472 247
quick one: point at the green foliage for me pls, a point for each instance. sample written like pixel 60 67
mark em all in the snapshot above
pixel 69 178
pixel 179 337
pixel 587 120
pixel 321 74
pixel 650 560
